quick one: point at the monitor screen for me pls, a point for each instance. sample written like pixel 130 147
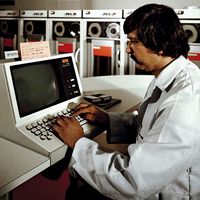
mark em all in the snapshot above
pixel 39 85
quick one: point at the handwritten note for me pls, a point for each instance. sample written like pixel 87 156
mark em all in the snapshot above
pixel 34 50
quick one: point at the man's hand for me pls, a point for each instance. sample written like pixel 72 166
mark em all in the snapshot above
pixel 69 130
pixel 92 113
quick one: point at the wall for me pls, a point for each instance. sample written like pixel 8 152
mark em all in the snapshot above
pixel 95 4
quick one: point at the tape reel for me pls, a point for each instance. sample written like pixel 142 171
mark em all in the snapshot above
pixel 191 32
pixel 4 27
pixel 113 30
pixel 74 29
pixel 94 30
pixel 29 28
pixel 59 29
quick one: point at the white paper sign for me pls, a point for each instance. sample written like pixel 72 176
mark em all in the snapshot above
pixel 11 54
pixel 34 50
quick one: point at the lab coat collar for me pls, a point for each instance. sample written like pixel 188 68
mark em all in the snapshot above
pixel 167 77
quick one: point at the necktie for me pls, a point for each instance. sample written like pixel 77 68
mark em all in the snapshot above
pixel 152 99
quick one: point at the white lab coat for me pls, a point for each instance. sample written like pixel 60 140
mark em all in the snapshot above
pixel 164 163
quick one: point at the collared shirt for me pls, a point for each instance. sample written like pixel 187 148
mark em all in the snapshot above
pixel 165 160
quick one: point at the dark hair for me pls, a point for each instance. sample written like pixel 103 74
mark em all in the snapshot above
pixel 158 28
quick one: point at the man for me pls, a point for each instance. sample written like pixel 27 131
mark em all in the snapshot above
pixel 164 162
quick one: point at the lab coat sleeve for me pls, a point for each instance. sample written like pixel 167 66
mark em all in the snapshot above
pixel 123 128
pixel 170 148
pixel 103 171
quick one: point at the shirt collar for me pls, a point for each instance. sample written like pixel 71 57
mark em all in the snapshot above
pixel 168 75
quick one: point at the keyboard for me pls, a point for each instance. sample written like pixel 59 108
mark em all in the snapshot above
pixel 43 127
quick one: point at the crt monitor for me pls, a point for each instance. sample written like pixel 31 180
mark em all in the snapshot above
pixel 41 84
pixel 33 90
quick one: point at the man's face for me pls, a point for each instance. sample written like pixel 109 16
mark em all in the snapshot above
pixel 145 58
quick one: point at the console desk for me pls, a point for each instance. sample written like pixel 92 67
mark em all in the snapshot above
pixel 19 164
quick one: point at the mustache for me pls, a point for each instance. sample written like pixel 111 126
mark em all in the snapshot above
pixel 135 59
